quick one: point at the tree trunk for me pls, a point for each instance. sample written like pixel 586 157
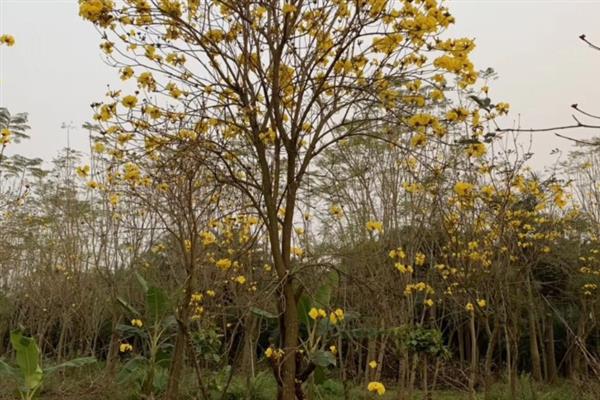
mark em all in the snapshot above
pixel 248 363
pixel 536 366
pixel 176 367
pixel 461 344
pixel 287 391
pixel 550 351
pixel 473 351
pixel 113 348
pixel 489 357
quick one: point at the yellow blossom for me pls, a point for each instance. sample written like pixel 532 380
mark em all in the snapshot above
pixel 418 140
pixel 502 108
pixel 114 199
pixel 137 323
pixel 387 44
pixel 288 8
pixel 8 40
pixel 126 73
pixel 223 264
pixel 375 226
pixel 376 387
pixel 97 11
pixel 129 101
pixel 196 297
pixel 125 347
pixel 93 185
pixel 131 172
pixel 336 211
pixel 207 237
pixel 463 189
pixel 476 150
pixel 99 147
pixel 315 313
pixel 420 259
pixel 83 171
pixel 336 316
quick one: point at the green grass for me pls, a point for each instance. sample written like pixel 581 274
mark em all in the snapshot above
pixel 92 384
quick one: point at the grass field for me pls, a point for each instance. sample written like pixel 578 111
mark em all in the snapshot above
pixel 93 384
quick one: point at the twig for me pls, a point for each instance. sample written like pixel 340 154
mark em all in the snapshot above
pixel 592 45
pixel 587 114
pixel 577 140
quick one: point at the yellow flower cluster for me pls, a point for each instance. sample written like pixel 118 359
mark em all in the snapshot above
pixel 463 189
pixel 376 387
pixel 588 288
pixel 420 259
pixel 125 347
pixel 129 101
pixel 137 323
pixel 456 60
pixel 207 238
pixel 397 253
pixel 336 211
pixel 132 173
pixel 5 136
pixel 8 40
pixel 336 316
pixel 275 354
pixel 195 301
pixel 418 287
pixel 315 313
pixel 223 264
pixel 387 44
pixel 476 150
pixel 97 11
pixel 171 8
pixel 83 171
pixel 403 268
pixel 375 226
pixel 297 251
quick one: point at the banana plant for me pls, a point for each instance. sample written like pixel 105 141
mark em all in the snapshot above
pixel 29 372
pixel 148 370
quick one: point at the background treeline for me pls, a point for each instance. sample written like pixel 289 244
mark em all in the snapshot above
pixel 458 279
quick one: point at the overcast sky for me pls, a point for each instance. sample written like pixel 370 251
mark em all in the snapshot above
pixel 55 71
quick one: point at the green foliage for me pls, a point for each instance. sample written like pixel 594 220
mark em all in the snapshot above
pixel 29 373
pixel 323 295
pixel 263 313
pixel 420 341
pixel 260 387
pixel 323 358
pixel 208 343
pixel 148 371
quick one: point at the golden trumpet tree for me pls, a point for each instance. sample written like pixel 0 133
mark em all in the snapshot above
pixel 265 86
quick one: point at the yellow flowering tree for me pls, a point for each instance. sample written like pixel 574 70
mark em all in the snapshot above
pixel 265 87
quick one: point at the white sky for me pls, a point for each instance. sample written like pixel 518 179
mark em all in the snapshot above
pixel 55 71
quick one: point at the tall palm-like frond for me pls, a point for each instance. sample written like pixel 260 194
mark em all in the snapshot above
pixel 16 123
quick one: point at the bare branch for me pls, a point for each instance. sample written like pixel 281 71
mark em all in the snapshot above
pixel 592 45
